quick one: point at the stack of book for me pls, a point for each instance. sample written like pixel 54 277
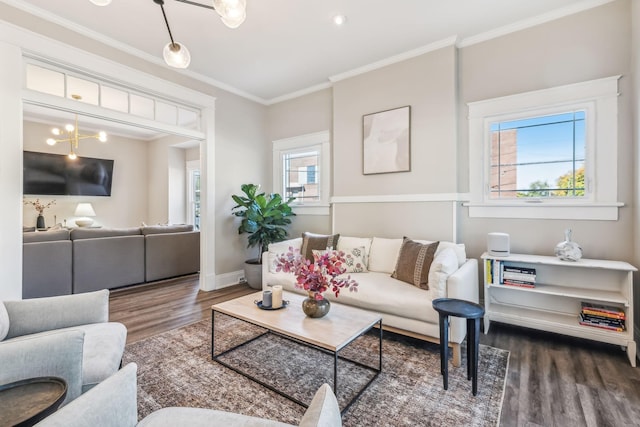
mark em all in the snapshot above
pixel 602 316
pixel 524 277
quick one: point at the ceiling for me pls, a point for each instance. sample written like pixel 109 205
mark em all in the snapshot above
pixel 289 47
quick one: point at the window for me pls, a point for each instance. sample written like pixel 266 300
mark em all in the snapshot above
pixel 546 154
pixel 301 170
pixel 538 157
pixel 193 193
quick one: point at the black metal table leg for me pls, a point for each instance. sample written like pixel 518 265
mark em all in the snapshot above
pixel 444 348
pixel 476 345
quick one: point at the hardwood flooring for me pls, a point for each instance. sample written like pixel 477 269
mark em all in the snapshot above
pixel 552 380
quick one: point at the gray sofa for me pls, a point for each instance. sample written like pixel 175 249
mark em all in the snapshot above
pixel 88 259
pixel 67 336
pixel 112 403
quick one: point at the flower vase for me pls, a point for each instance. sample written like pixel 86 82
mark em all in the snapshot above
pixel 568 250
pixel 315 308
pixel 40 222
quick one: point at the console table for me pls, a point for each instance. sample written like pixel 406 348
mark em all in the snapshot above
pixel 554 304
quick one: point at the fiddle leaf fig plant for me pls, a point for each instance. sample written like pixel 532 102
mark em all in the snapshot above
pixel 264 216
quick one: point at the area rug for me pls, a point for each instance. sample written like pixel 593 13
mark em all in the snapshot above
pixel 175 369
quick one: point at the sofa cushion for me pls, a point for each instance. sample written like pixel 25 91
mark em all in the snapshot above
pixel 383 255
pixel 346 243
pixel 280 248
pixel 323 410
pixel 4 321
pixel 160 229
pixel 458 249
pixel 102 351
pixel 311 241
pixel 93 233
pixel 444 264
pixel 414 262
pixel 45 236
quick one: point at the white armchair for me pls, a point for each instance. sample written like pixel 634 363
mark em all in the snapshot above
pixel 65 336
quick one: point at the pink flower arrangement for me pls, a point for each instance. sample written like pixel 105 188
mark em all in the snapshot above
pixel 318 276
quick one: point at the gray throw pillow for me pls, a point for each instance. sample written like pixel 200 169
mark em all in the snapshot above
pixel 319 242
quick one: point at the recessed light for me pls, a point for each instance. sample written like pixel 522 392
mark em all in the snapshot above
pixel 339 20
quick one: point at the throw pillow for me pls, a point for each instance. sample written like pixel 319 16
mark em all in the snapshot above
pixel 311 241
pixel 4 321
pixel 347 243
pixel 383 254
pixel 353 259
pixel 414 262
pixel 444 265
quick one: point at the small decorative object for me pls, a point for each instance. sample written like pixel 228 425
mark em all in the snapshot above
pixel 276 297
pixel 568 250
pixel 317 277
pixel 266 299
pixel 40 208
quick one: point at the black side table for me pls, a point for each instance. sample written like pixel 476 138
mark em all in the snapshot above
pixel 25 402
pixel 473 313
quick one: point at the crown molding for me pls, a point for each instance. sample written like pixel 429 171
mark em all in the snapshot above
pixel 449 41
pixel 532 22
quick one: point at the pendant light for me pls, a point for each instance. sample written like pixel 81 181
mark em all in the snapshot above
pixel 175 54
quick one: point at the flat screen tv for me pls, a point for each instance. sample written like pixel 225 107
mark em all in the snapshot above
pixel 57 175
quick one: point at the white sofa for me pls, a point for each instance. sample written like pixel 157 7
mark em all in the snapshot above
pixel 405 308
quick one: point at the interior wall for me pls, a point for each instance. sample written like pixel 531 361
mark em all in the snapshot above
pixel 236 117
pixel 129 186
pixel 588 45
pixel 295 117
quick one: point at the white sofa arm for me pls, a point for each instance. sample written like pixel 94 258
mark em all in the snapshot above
pixel 463 284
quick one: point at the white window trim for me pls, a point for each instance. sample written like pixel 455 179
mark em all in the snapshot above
pixel 318 140
pixel 600 98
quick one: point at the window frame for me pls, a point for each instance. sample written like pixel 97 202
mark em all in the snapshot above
pixel 320 142
pixel 599 99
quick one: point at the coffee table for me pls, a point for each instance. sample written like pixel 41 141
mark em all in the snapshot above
pixel 330 333
pixel 25 402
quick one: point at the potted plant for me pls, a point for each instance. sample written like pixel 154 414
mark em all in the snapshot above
pixel 264 217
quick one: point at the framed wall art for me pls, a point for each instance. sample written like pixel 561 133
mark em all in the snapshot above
pixel 386 141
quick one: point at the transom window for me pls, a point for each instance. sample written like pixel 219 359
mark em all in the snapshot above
pixel 542 156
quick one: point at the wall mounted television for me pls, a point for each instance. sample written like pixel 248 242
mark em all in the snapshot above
pixel 57 175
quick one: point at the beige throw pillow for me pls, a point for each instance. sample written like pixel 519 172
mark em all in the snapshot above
pixel 320 242
pixel 414 262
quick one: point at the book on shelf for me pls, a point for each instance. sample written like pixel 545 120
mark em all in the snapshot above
pixel 603 310
pixel 497 272
pixel 520 283
pixel 603 325
pixel 603 320
pixel 520 270
pixel 518 276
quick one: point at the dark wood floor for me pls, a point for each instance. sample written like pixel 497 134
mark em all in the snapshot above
pixel 552 380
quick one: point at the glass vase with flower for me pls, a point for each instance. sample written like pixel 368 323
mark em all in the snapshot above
pixel 316 277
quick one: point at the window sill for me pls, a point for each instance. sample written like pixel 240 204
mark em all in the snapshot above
pixel 582 211
pixel 311 209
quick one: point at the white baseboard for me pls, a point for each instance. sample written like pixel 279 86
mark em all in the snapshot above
pixel 229 279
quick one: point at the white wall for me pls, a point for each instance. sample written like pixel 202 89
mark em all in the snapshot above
pixel 127 205
pixel 301 116
pixel 588 45
pixel 635 78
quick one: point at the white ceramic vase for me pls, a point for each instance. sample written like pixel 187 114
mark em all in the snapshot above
pixel 568 250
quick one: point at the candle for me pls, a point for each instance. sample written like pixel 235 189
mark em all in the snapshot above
pixel 276 300
pixel 266 299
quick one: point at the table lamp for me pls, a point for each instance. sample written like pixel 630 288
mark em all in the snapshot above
pixel 83 211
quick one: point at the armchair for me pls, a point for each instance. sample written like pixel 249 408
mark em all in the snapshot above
pixel 112 403
pixel 68 336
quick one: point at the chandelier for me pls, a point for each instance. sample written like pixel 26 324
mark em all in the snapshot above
pixel 71 134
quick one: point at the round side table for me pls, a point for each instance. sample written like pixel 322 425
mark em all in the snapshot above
pixel 473 313
pixel 25 402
